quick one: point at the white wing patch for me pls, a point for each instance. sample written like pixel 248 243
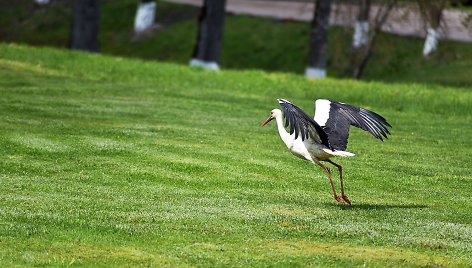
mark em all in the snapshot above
pixel 322 111
pixel 283 100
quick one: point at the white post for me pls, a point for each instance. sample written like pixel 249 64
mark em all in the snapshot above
pixel 311 72
pixel 361 34
pixel 42 2
pixel 205 64
pixel 431 42
pixel 144 16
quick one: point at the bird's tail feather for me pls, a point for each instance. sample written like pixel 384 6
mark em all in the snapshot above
pixel 338 153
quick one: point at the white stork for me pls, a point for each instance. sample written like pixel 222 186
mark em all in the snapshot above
pixel 325 135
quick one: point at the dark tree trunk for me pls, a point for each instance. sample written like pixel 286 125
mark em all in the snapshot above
pixel 361 28
pixel 318 55
pixel 210 33
pixel 85 24
pixel 431 12
pixel 361 62
pixel 364 10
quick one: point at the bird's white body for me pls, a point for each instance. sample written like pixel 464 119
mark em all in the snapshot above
pixel 307 149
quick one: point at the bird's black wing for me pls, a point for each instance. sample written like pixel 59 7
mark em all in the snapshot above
pixel 336 118
pixel 303 125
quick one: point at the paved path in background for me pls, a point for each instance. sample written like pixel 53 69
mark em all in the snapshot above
pixel 401 21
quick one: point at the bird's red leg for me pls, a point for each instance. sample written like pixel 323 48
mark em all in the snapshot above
pixel 337 197
pixel 340 169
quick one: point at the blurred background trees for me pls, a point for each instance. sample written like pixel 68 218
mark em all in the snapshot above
pixel 207 49
pixel 145 16
pixel 354 45
pixel 363 52
pixel 85 25
pixel 42 2
pixel 360 36
pixel 318 46
pixel 431 12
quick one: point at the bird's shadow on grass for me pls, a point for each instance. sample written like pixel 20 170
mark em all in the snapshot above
pixel 364 206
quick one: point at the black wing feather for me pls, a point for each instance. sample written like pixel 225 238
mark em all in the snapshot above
pixel 342 116
pixel 301 124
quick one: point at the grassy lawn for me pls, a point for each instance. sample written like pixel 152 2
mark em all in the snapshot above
pixel 248 43
pixel 110 161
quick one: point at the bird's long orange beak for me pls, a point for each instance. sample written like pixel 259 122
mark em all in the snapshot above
pixel 267 121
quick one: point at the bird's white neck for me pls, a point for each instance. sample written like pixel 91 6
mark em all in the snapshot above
pixel 284 135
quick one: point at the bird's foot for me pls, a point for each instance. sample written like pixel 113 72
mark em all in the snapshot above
pixel 344 197
pixel 338 198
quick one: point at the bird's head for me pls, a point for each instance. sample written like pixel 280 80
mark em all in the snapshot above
pixel 273 114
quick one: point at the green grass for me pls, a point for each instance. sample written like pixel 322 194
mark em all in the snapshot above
pixel 115 162
pixel 248 43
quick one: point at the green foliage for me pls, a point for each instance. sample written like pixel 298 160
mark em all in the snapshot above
pixel 248 43
pixel 115 162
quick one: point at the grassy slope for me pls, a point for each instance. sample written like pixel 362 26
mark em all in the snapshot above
pixel 249 43
pixel 108 161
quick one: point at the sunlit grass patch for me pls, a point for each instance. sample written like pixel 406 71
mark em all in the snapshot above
pixel 362 255
pixel 129 163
